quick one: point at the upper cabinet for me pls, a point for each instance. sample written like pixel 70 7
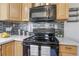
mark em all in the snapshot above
pixel 25 11
pixel 15 11
pixel 20 11
pixel 62 11
pixel 10 11
pixel 4 11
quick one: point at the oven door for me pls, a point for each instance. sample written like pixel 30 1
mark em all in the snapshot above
pixel 40 50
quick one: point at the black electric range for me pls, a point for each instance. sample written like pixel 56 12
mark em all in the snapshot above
pixel 41 39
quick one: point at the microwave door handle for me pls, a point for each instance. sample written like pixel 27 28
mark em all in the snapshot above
pixel 47 12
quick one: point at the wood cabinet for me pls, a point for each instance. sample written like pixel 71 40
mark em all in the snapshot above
pixel 4 11
pixel 8 49
pixel 0 51
pixel 10 11
pixel 3 50
pixel 13 48
pixel 25 11
pixel 20 11
pixel 62 11
pixel 15 11
pixel 67 54
pixel 18 48
pixel 67 50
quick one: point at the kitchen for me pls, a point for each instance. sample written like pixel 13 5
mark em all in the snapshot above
pixel 22 24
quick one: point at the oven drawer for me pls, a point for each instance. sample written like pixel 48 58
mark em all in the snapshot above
pixel 68 49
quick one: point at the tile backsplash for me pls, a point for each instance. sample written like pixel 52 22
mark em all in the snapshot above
pixel 43 25
pixel 1 27
pixel 12 27
pixel 58 26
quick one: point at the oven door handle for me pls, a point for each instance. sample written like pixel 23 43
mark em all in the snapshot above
pixel 25 44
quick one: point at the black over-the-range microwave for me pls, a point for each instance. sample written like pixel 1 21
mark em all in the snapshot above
pixel 43 13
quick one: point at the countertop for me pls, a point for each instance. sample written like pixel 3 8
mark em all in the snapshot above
pixel 66 41
pixel 13 37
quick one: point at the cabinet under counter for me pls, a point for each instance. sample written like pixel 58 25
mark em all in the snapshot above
pixel 67 50
pixel 13 48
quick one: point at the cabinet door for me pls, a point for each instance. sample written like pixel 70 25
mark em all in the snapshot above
pixel 8 49
pixel 0 51
pixel 4 11
pixel 25 11
pixel 67 50
pixel 62 11
pixel 18 48
pixel 15 11
pixel 3 50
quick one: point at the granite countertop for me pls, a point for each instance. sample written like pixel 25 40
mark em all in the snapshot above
pixel 13 37
pixel 68 41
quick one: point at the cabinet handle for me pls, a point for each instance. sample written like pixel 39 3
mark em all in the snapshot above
pixel 68 48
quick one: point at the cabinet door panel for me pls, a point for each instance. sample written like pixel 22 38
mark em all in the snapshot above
pixel 25 11
pixel 13 48
pixel 4 11
pixel 71 49
pixel 67 50
pixel 18 48
pixel 62 11
pixel 8 49
pixel 3 50
pixel 15 11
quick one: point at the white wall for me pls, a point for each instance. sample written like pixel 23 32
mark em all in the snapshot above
pixel 71 30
